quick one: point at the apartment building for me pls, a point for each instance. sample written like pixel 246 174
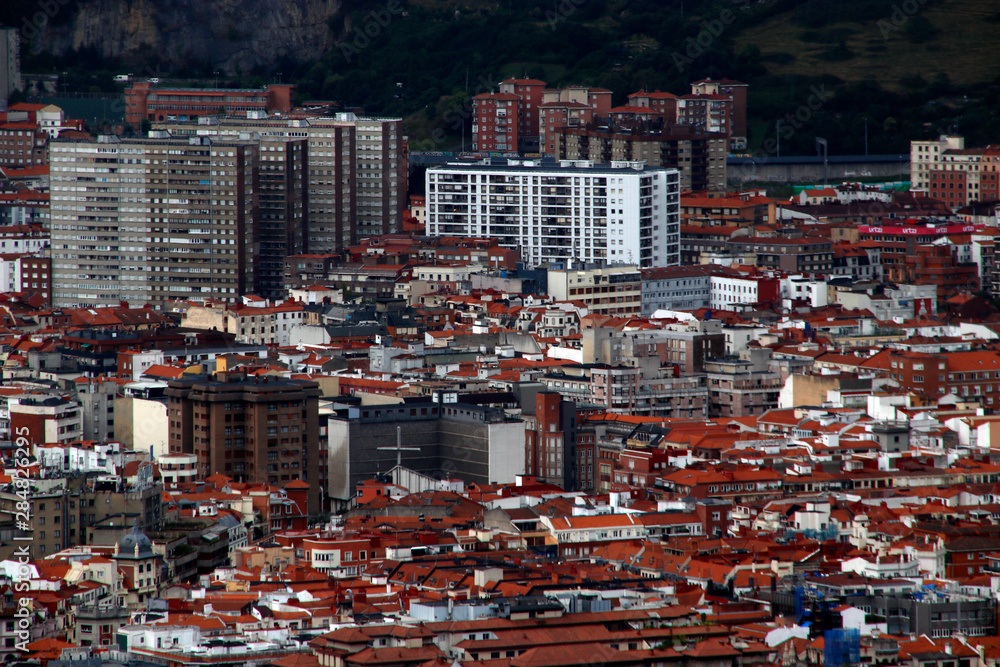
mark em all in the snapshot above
pixel 624 212
pixel 282 216
pixel 496 124
pixel 550 442
pixel 743 210
pixel 711 113
pixel 958 176
pixel 530 93
pixel 45 419
pixel 800 255
pixel 63 508
pixel 253 430
pixel 266 325
pixel 152 220
pixel 381 173
pixel 523 115
pixel 24 207
pixel 676 288
pixel 730 292
pixel 569 107
pixel 736 91
pixel 684 346
pixel 22 144
pixel 968 375
pixel 699 157
pixel 663 105
pixel 305 270
pixel 355 171
pixel 936 265
pixel 25 273
pixel 627 390
pixel 712 106
pixel 25 134
pixel 612 290
pixel 741 387
pixel 33 275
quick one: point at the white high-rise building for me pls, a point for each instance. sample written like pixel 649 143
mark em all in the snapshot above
pixel 621 213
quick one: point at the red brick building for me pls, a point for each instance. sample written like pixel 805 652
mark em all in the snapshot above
pixel 496 122
pixel 252 430
pixel 712 106
pixel 144 102
pixel 524 115
pixel 36 277
pixel 966 556
pixel 737 92
pixel 954 174
pixel 664 105
pixel 950 187
pixel 972 375
pixel 935 265
pixel 22 145
pixel 554 116
pixel 989 175
pixel 25 130
pixel 545 440
pixel 530 92
pixel 640 467
pixel 711 113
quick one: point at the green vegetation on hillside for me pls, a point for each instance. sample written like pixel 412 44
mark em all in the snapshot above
pixel 903 69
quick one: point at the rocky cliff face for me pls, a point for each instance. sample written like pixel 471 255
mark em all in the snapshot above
pixel 233 35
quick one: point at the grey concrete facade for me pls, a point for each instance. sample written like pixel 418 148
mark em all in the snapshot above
pixel 467 442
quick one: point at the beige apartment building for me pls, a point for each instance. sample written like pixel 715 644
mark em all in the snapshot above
pixel 151 220
pixel 355 173
pixel 605 290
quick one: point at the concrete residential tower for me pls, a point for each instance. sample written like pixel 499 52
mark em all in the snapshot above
pixel 355 173
pixel 152 220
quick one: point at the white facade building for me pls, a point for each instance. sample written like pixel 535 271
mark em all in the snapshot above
pixel 624 212
pixel 795 288
pixel 19 241
pixel 733 291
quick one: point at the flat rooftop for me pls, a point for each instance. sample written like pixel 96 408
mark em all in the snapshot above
pixel 549 168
